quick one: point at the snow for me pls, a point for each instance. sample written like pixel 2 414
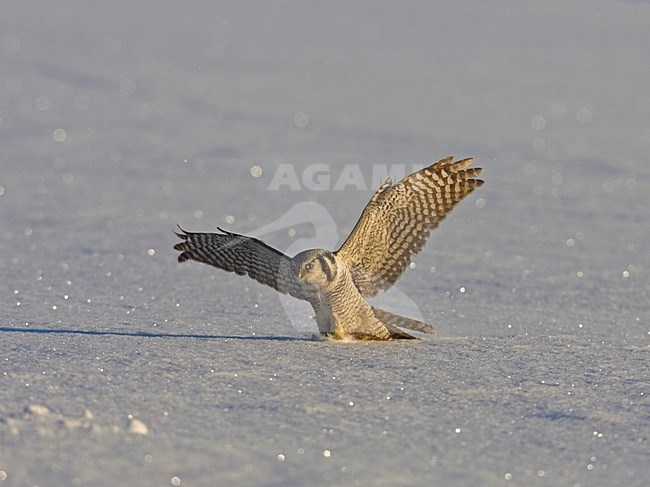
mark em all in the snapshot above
pixel 119 120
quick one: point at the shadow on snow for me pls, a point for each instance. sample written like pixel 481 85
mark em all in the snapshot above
pixel 143 334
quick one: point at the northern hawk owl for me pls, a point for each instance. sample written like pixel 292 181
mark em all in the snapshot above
pixel 394 226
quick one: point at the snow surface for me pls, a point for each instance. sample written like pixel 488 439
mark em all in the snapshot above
pixel 119 120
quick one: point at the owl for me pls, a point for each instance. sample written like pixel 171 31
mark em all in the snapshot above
pixel 394 226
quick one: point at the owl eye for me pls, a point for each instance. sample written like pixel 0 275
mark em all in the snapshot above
pixel 309 266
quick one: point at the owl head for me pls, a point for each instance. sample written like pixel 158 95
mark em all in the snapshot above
pixel 316 267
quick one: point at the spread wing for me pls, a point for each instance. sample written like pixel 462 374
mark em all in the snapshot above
pixel 398 219
pixel 242 255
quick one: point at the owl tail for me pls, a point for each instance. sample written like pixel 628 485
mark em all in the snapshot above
pixel 394 322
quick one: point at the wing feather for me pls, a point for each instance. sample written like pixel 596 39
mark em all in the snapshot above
pixel 242 255
pixel 399 218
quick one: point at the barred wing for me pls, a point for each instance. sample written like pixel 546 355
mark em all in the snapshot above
pixel 399 218
pixel 242 255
